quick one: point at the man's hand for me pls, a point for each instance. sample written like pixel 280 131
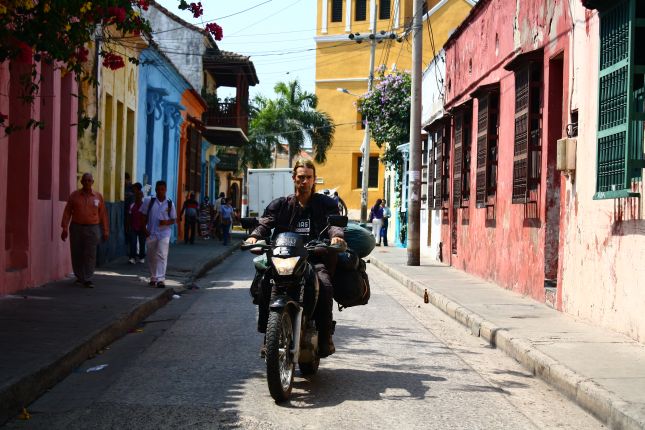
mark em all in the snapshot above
pixel 338 241
pixel 251 240
pixel 63 235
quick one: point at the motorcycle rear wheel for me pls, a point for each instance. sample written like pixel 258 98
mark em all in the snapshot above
pixel 279 360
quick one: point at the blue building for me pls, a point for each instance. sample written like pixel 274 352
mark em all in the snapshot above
pixel 159 122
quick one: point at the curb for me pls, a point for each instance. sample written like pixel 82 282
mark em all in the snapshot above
pixel 31 387
pixel 196 274
pixel 603 404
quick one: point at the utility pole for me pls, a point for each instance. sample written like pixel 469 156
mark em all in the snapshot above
pixel 373 38
pixel 414 174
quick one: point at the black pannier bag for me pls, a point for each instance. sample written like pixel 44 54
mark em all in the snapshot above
pixel 351 284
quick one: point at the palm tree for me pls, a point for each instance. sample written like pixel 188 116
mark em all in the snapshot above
pixel 263 139
pixel 297 119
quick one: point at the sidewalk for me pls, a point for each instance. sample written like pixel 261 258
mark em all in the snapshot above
pixel 46 332
pixel 602 371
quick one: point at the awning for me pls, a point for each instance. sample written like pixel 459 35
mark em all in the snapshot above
pixel 225 136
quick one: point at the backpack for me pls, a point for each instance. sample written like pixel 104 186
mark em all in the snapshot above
pixel 152 200
pixel 351 286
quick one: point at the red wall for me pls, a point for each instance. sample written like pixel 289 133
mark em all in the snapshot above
pixel 512 250
pixel 33 187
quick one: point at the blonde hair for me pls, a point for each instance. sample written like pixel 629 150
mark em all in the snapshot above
pixel 303 162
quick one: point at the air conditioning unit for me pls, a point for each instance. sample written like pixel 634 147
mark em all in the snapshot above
pixel 566 155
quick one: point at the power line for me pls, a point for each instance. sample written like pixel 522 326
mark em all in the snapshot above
pixel 266 17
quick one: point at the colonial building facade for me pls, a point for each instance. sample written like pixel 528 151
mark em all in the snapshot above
pixel 344 64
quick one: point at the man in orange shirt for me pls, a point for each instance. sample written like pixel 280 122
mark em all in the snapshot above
pixel 85 208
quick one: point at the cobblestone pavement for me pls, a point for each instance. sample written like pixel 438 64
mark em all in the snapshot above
pixel 399 364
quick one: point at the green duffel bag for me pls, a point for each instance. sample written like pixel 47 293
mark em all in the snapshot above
pixel 359 240
pixel 351 287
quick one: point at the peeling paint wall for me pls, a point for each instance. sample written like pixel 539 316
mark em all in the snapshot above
pixel 508 248
pixel 603 276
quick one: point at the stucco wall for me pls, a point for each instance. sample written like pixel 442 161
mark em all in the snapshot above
pixel 604 240
pixel 510 249
pixel 34 186
pixel 181 44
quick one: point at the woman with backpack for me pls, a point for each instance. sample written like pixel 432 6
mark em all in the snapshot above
pixel 376 218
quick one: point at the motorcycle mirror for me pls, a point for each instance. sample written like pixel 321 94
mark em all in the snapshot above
pixel 249 223
pixel 337 220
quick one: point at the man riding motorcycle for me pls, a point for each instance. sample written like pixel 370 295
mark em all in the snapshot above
pixel 305 213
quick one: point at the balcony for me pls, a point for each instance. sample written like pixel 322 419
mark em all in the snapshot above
pixel 226 124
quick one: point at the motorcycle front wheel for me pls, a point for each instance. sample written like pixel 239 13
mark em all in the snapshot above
pixel 279 360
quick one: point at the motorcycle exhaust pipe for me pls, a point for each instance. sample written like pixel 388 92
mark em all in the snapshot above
pixel 295 351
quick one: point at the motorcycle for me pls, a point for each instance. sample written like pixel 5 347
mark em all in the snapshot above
pixel 291 333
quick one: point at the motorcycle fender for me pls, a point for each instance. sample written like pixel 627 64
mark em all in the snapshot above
pixel 279 303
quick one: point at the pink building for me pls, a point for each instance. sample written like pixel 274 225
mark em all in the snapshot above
pixel 37 174
pixel 506 94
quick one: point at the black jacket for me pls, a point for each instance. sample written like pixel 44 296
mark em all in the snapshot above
pixel 282 214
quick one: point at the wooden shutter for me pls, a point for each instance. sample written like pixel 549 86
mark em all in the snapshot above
pixel 195 137
pixel 457 161
pixel 482 149
pixel 520 149
pixel 439 169
pixel 431 172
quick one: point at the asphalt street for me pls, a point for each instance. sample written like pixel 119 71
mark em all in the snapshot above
pixel 399 364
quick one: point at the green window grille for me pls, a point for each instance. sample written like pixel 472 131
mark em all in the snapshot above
pixel 621 97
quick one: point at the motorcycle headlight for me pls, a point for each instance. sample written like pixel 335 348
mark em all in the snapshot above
pixel 285 266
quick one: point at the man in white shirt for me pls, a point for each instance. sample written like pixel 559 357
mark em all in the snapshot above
pixel 160 214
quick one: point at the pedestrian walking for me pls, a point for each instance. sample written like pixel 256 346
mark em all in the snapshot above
pixel 160 215
pixel 387 213
pixel 135 227
pixel 85 209
pixel 376 218
pixel 226 212
pixel 128 198
pixel 217 217
pixel 191 209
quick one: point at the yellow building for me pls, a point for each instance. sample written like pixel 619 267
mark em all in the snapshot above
pixel 342 63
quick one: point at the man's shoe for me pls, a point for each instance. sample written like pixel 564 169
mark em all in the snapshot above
pixel 132 261
pixel 152 283
pixel 160 284
pixel 142 260
pixel 325 349
pixel 78 282
pixel 88 284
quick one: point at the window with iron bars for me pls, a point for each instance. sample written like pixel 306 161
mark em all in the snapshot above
pixel 487 145
pixel 621 98
pixel 360 10
pixel 384 9
pixel 337 11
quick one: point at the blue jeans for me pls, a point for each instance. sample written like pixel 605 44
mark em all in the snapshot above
pixel 226 232
pixel 134 237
